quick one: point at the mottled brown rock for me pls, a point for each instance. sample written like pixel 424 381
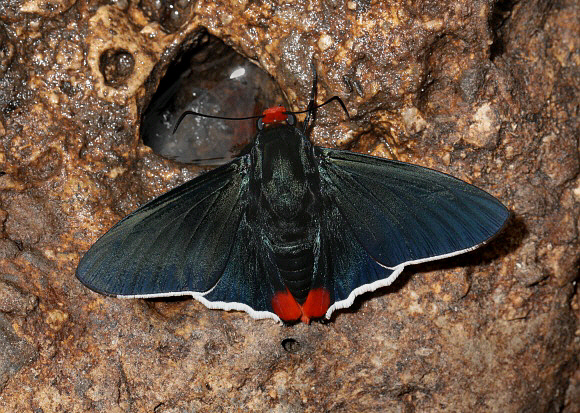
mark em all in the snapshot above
pixel 485 91
pixel 15 352
pixel 15 301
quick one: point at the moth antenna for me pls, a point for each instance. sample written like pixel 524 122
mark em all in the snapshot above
pixel 332 99
pixel 311 109
pixel 203 115
pixel 312 106
pixel 339 100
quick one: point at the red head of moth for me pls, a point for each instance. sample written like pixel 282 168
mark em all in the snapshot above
pixel 273 115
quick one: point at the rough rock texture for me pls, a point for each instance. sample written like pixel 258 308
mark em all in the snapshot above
pixel 486 91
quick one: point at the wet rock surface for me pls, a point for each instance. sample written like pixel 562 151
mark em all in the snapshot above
pixel 487 92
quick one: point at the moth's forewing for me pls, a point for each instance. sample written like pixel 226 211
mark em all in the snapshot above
pixel 398 214
pixel 179 242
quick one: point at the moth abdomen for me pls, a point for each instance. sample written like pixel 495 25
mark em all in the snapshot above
pixel 296 272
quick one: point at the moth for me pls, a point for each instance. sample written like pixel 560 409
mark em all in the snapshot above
pixel 290 231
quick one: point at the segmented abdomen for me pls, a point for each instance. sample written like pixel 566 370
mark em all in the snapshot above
pixel 296 264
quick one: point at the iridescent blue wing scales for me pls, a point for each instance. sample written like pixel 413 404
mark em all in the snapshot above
pixel 391 214
pixel 194 240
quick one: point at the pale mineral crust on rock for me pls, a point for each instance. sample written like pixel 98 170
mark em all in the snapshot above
pixel 486 92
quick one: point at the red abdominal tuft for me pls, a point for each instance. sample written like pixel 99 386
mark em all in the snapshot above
pixel 285 306
pixel 288 309
pixel 316 304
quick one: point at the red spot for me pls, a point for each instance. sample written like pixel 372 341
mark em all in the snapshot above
pixel 315 306
pixel 275 114
pixel 285 306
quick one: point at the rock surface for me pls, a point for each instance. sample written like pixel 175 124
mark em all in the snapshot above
pixel 485 91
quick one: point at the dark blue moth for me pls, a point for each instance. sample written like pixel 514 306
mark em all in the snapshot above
pixel 290 231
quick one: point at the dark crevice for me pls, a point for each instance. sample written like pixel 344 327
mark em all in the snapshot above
pixel 291 345
pixel 499 17
pixel 212 79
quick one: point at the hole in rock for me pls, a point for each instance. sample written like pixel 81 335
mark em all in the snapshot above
pixel 212 79
pixel 291 345
pixel 116 65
